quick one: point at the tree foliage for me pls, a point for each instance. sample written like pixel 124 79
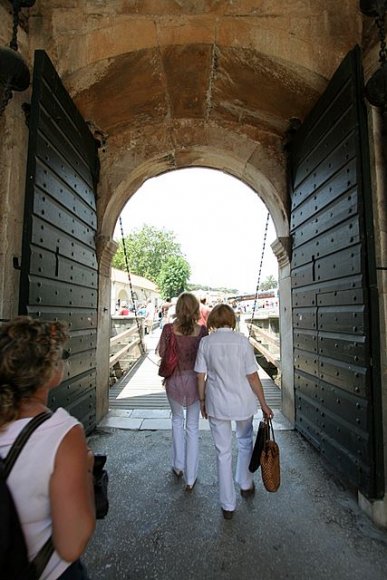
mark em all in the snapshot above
pixel 148 250
pixel 268 283
pixel 173 276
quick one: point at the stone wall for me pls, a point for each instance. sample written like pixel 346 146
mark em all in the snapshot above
pixel 184 83
pixel 13 160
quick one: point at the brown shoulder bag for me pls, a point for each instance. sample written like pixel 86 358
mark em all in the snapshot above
pixel 270 461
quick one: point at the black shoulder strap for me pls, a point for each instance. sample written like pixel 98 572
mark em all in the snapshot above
pixel 42 557
pixel 22 439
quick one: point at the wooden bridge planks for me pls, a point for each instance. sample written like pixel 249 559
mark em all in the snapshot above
pixel 142 388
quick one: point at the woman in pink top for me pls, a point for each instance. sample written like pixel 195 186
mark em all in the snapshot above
pixel 181 388
pixel 51 481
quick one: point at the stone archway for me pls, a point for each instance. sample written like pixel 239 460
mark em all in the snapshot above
pixel 248 173
pixel 184 83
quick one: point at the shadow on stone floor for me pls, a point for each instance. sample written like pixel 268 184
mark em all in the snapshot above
pixel 312 528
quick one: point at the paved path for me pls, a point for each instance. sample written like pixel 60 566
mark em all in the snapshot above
pixel 311 529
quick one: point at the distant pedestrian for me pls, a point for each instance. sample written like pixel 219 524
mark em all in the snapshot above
pixel 164 312
pixel 172 311
pixel 229 389
pixel 149 316
pixel 181 387
pixel 124 310
pixel 237 311
pixel 204 311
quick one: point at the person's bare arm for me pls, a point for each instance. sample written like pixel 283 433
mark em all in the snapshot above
pixel 256 385
pixel 72 496
pixel 202 393
pixel 162 344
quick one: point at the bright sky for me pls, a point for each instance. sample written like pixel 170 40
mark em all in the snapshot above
pixel 217 220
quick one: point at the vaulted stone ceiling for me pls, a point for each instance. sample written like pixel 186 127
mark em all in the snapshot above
pixel 182 83
pixel 131 63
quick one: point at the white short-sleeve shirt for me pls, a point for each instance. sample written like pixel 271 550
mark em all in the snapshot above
pixel 227 357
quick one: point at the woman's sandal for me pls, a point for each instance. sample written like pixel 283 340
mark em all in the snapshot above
pixel 177 473
pixel 190 487
pixel 227 514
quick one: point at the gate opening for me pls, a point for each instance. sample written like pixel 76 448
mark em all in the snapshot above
pixel 219 225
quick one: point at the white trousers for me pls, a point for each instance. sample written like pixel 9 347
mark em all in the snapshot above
pixel 222 435
pixel 185 442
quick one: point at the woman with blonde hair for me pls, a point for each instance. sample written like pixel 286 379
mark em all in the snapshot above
pixel 181 387
pixel 229 390
pixel 51 481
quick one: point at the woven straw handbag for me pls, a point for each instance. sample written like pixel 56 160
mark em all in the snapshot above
pixel 270 462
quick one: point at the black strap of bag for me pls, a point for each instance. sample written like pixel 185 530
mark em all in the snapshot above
pixel 271 429
pixel 262 435
pixel 22 439
pixel 42 557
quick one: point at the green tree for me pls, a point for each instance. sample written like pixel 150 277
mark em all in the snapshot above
pixel 173 276
pixel 148 249
pixel 268 283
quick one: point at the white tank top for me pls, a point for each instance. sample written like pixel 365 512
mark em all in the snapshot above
pixel 29 482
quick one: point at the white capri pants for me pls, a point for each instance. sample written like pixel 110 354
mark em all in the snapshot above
pixel 222 435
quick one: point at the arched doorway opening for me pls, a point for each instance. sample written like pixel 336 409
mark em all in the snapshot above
pixel 217 219
pixel 243 231
pixel 223 235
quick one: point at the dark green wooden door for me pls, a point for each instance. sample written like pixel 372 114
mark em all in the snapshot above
pixel 333 273
pixel 59 278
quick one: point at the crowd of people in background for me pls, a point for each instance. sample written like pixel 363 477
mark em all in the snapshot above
pixel 164 313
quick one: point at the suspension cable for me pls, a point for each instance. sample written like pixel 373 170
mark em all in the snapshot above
pixel 15 24
pixel 259 274
pixel 139 327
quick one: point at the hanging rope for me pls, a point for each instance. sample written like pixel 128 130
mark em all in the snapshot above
pixel 259 273
pixel 15 23
pixel 139 327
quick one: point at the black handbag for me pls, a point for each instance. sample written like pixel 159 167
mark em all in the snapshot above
pixel 262 436
pixel 100 480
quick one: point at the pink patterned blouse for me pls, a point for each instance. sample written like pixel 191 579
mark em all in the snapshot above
pixel 182 385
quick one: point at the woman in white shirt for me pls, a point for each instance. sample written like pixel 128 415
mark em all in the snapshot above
pixel 229 389
pixel 51 481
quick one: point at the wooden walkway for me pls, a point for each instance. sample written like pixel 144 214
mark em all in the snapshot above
pixel 141 388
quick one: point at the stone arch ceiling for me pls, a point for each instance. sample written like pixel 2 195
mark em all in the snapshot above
pixel 197 82
pixel 130 63
pixel 177 76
